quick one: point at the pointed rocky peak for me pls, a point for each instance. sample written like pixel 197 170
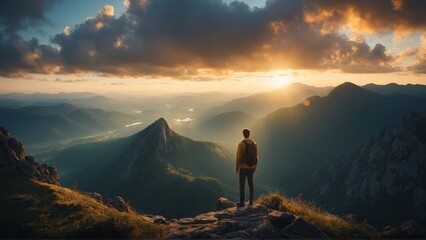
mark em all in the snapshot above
pixel 160 123
pixel 159 130
pixel 348 89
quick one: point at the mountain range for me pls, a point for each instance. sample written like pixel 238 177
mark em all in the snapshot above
pixel 39 124
pixel 294 141
pixel 410 89
pixel 263 103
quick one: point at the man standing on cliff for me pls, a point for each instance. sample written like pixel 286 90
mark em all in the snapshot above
pixel 247 156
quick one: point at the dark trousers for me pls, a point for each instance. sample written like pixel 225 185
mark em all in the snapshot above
pixel 246 173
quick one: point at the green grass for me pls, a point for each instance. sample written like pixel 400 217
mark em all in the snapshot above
pixel 34 209
pixel 335 226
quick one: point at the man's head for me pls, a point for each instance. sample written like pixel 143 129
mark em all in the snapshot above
pixel 246 133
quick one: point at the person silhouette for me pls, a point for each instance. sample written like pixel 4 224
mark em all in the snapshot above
pixel 246 165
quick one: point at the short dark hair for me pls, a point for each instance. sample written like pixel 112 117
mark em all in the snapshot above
pixel 246 133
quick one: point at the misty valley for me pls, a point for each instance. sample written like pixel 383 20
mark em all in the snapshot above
pixel 358 150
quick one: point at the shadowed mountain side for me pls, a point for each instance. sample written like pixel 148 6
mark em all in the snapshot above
pixel 383 180
pixel 260 104
pixel 296 140
pixel 157 169
pixel 36 209
pixel 39 124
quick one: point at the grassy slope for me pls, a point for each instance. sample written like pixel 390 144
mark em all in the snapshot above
pixel 36 209
pixel 334 226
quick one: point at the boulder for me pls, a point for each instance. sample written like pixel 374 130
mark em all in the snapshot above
pixel 280 219
pixel 408 229
pixel 17 148
pixel 4 133
pixel 119 204
pixel 299 228
pixel 265 229
pixel 224 203
pixel 98 197
pixel 160 220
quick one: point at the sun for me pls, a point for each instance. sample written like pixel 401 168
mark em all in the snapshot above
pixel 280 81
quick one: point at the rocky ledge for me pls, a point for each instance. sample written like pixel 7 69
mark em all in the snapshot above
pixel 13 158
pixel 255 221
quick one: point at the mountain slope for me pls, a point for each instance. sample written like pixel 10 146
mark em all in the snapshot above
pixel 383 180
pixel 33 204
pixel 295 141
pixel 58 122
pixel 263 103
pixel 36 209
pixel 157 169
pixel 410 89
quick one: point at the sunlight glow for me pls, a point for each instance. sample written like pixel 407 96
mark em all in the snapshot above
pixel 280 81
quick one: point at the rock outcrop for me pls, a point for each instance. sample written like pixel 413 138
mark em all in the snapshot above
pixel 118 203
pixel 224 203
pixel 384 174
pixel 255 221
pixel 13 158
pixel 409 229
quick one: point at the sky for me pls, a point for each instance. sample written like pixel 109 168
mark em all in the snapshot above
pixel 163 46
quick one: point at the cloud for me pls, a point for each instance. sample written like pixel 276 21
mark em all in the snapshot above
pixel 186 39
pixel 18 15
pixel 420 66
pixel 369 16
pixel 70 80
pixel 19 57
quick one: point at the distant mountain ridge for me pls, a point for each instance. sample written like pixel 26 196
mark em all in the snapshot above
pixel 383 180
pixel 266 102
pixel 410 89
pixel 306 136
pixel 39 124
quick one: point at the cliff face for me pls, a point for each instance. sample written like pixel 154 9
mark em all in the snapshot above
pixel 383 180
pixel 13 158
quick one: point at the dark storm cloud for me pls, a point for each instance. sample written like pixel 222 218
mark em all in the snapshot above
pixel 184 38
pixel 19 57
pixel 18 15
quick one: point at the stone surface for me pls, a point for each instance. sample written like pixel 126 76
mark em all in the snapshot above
pixel 223 203
pixel 255 221
pixel 299 228
pixel 160 220
pixel 408 229
pixel 98 197
pixel 280 219
pixel 13 159
pixel 119 204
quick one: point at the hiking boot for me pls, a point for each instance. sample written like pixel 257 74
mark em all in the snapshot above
pixel 240 205
pixel 250 203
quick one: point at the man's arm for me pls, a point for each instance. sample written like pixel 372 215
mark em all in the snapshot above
pixel 257 156
pixel 238 158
